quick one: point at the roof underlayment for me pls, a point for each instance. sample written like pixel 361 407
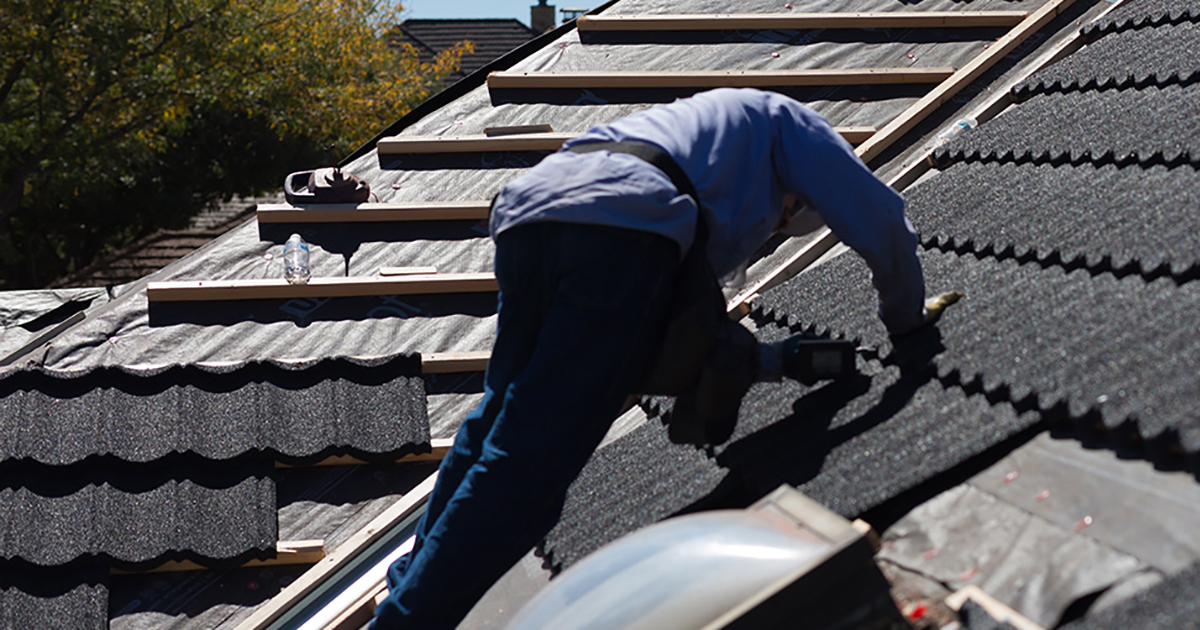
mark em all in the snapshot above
pixel 1069 220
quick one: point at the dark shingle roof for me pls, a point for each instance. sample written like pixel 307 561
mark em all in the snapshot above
pixel 491 38
pixel 162 248
pixel 288 412
pixel 135 517
pixel 1144 57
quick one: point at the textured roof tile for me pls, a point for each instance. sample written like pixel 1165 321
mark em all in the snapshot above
pixel 1143 57
pixel 1146 13
pixel 1096 344
pixel 1098 127
pixel 1130 219
pixel 137 517
pixel 369 409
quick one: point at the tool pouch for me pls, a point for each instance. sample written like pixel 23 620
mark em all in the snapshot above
pixel 706 361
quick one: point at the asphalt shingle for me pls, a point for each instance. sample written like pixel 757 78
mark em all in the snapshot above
pixel 1040 337
pixel 291 411
pixel 1145 14
pixel 1097 127
pixel 138 517
pixel 78 601
pixel 1128 220
pixel 1140 58
pixel 857 444
pixel 638 480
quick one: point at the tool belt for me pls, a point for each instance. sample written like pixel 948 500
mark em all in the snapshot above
pixel 706 361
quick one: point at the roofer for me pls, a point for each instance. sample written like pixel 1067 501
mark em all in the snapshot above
pixel 593 248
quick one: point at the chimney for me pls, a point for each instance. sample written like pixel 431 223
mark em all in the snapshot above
pixel 541 16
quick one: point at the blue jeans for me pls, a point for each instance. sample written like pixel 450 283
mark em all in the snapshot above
pixel 582 309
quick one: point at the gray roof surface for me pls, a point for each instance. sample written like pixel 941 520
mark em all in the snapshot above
pixel 288 412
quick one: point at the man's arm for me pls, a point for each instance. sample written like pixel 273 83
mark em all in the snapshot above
pixel 862 211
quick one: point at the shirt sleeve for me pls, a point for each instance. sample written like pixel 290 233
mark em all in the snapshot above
pixel 862 211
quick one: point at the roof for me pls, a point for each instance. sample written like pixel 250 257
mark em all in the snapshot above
pixel 490 38
pixel 153 252
pixel 1075 324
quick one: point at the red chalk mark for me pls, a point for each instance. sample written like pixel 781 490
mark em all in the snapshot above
pixel 918 612
pixel 932 553
pixel 968 574
pixel 1011 477
pixel 1042 496
pixel 1083 522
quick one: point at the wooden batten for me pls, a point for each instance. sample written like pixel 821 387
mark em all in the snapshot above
pixel 339 558
pixel 279 289
pixel 452 362
pixel 438 449
pixel 716 78
pixel 287 552
pixel 368 212
pixel 994 607
pixel 896 129
pixel 961 79
pixel 409 145
pixel 400 145
pixel 799 21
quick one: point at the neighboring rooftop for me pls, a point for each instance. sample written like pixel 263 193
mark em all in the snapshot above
pixel 162 248
pixel 490 38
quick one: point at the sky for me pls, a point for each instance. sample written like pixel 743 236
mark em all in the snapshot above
pixel 487 8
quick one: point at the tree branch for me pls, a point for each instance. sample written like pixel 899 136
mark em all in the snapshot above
pixel 10 79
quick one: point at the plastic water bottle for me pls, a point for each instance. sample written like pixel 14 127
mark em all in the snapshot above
pixel 957 129
pixel 295 260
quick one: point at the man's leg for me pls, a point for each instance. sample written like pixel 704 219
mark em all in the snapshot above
pixel 609 294
pixel 522 308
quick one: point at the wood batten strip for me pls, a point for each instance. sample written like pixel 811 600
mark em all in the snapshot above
pixel 715 78
pixel 467 144
pixel 402 145
pixel 799 21
pixel 438 447
pixel 453 362
pixel 341 557
pixel 287 552
pixel 373 212
pixel 276 289
pixel 961 79
pixel 896 129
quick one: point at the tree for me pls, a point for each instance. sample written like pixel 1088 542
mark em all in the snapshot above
pixel 119 117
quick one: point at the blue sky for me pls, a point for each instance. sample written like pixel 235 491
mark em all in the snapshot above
pixel 486 8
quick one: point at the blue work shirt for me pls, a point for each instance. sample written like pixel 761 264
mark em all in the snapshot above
pixel 743 149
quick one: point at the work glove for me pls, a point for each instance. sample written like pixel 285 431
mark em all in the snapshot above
pixel 936 305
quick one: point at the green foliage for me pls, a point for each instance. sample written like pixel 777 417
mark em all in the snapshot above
pixel 120 117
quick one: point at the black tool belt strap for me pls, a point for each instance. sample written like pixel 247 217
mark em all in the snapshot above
pixel 651 154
